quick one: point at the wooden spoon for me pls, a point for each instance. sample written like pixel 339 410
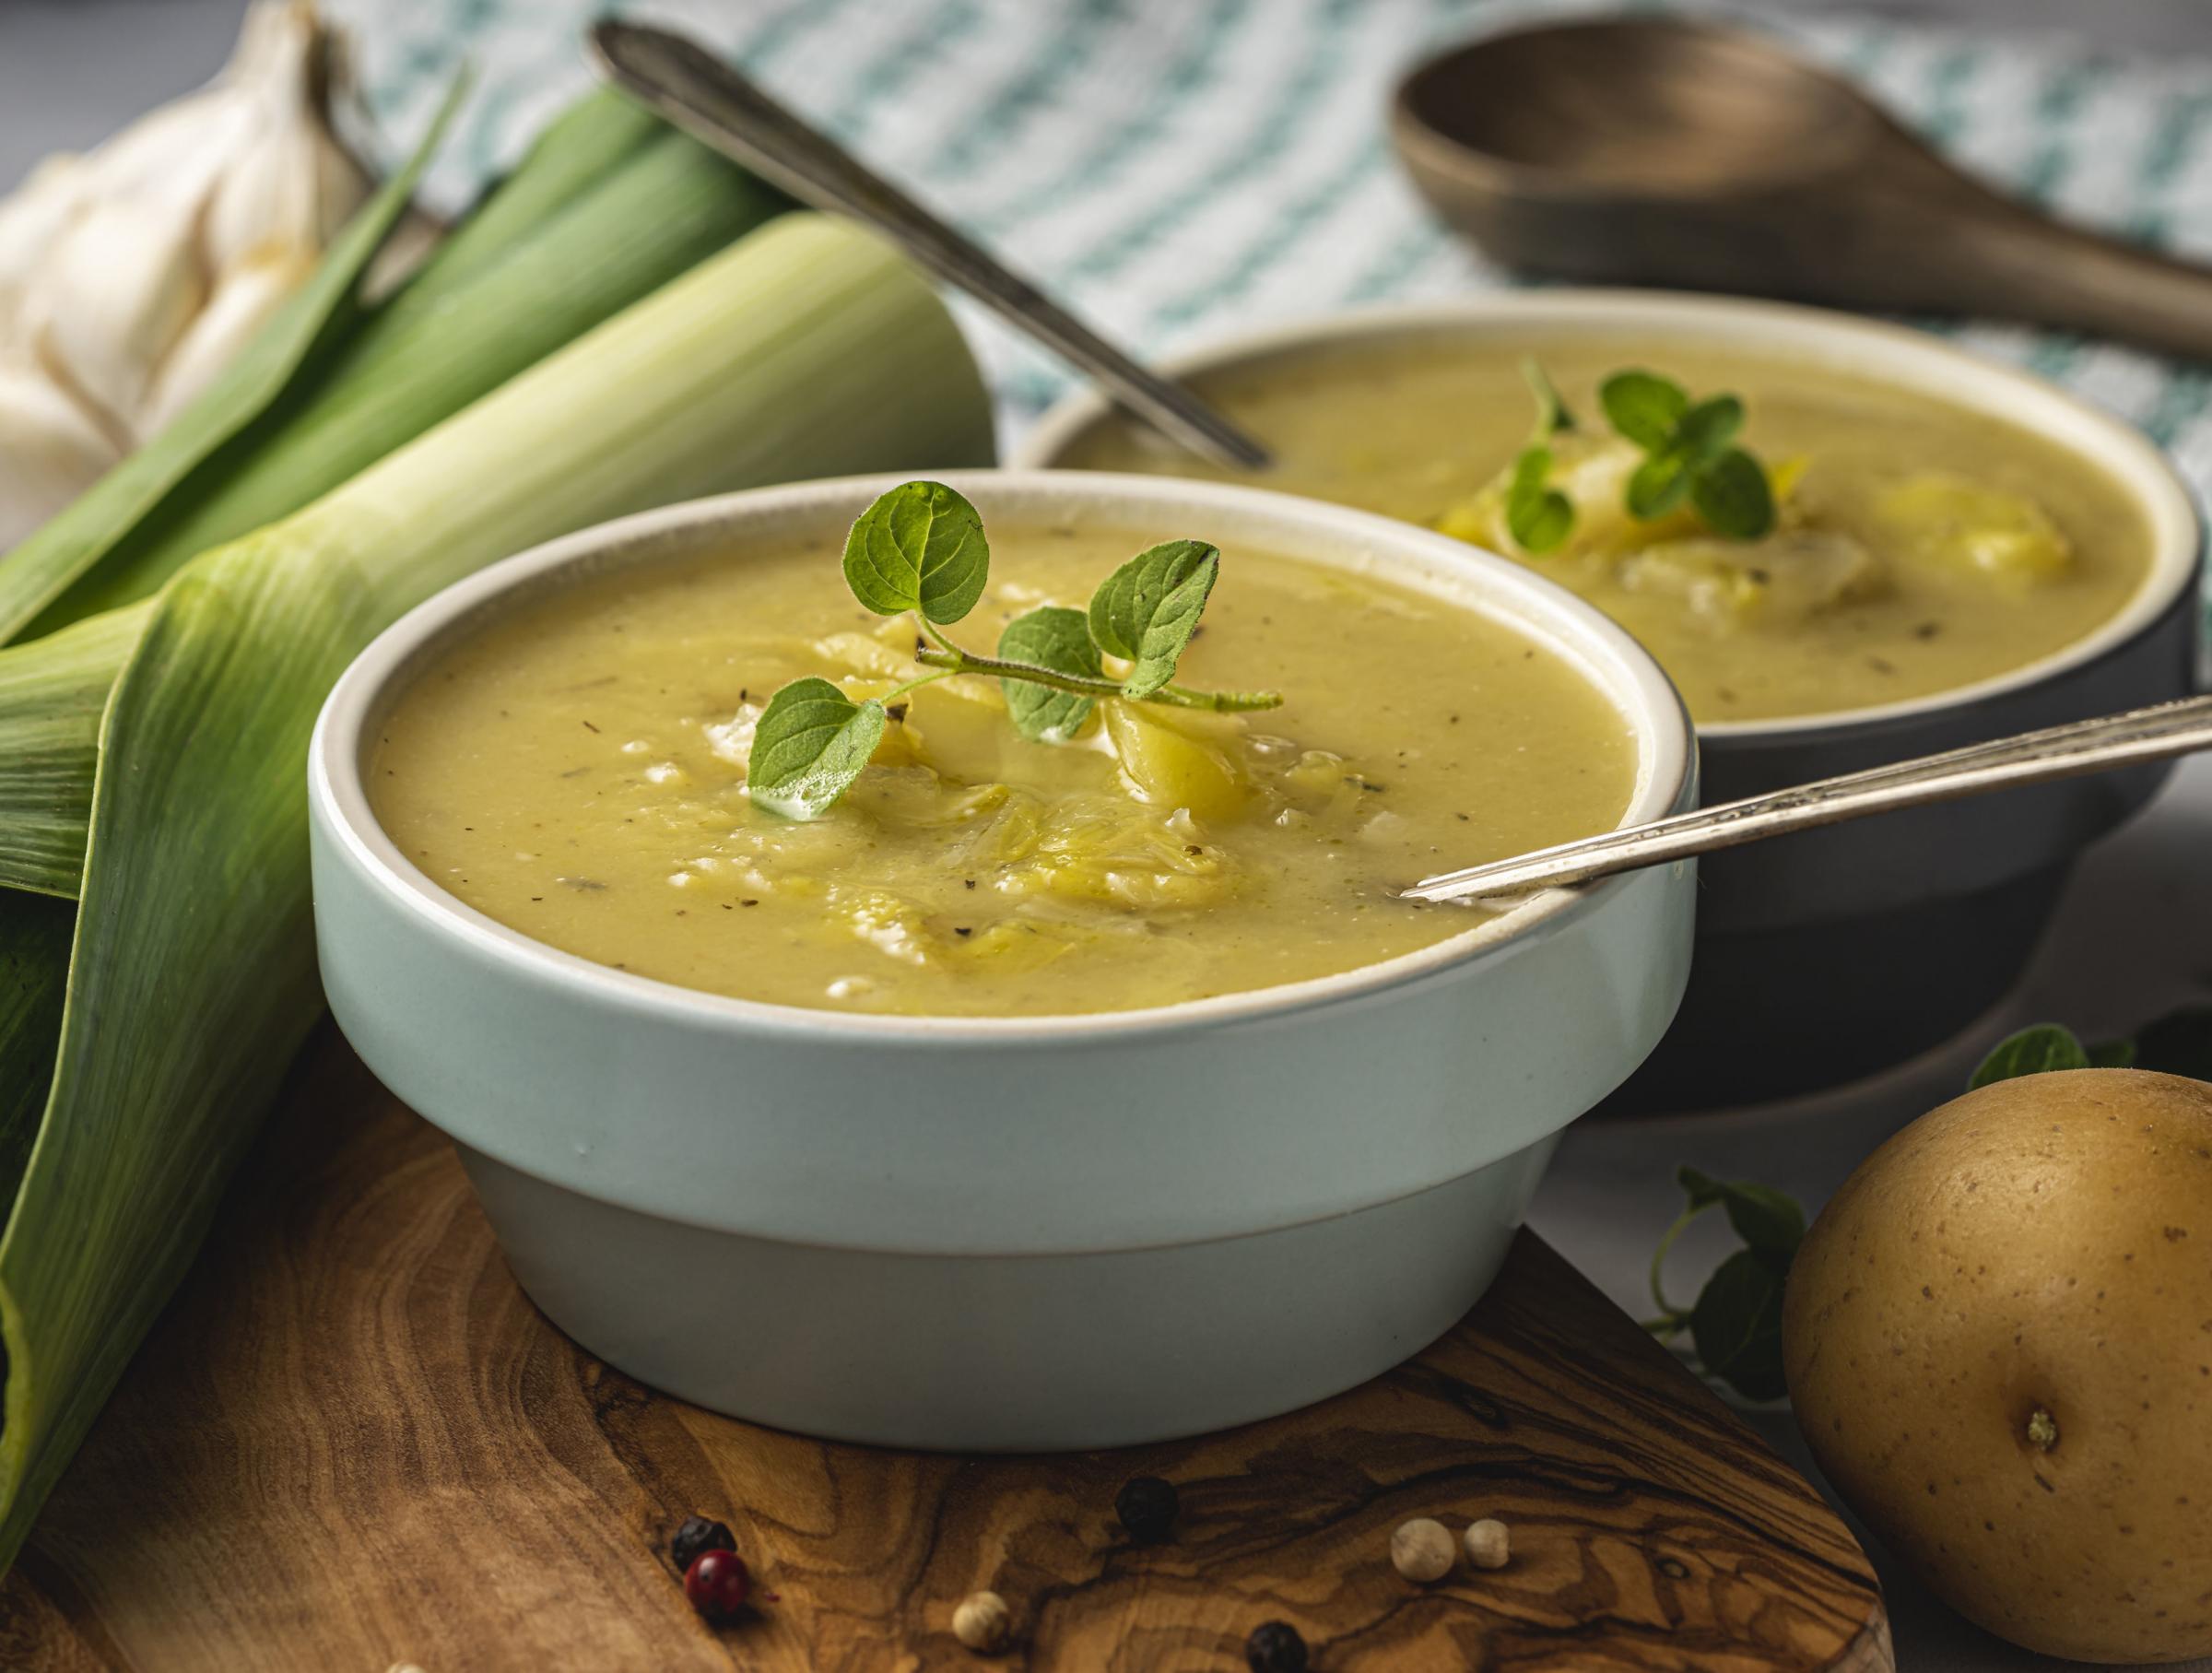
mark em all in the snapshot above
pixel 1669 151
pixel 2157 733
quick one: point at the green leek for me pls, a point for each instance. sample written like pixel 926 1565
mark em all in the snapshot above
pixel 52 691
pixel 805 349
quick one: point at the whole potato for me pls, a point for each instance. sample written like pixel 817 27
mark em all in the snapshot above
pixel 1998 1338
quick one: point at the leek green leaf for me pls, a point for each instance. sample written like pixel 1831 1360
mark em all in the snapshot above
pixel 918 548
pixel 52 691
pixel 1644 406
pixel 811 742
pixel 34 971
pixel 797 352
pixel 1148 609
pixel 1049 637
pixel 70 544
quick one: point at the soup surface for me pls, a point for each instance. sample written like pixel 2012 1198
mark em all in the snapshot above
pixel 1919 546
pixel 578 772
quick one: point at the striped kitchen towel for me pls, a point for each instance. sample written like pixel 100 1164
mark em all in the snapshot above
pixel 1179 168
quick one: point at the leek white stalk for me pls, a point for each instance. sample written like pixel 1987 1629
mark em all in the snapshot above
pixel 130 277
pixel 805 349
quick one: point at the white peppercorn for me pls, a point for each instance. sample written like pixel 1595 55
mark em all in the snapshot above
pixel 1422 1550
pixel 981 1621
pixel 1488 1545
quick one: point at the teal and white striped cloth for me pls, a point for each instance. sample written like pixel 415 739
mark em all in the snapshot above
pixel 1175 169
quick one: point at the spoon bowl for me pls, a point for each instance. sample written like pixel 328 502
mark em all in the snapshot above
pixel 1672 151
pixel 1651 106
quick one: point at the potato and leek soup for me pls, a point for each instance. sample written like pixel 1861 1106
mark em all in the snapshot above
pixel 580 773
pixel 1909 547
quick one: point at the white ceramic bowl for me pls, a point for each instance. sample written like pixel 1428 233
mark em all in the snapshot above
pixel 1831 954
pixel 887 1229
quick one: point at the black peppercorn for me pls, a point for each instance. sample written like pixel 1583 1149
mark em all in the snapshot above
pixel 1146 1506
pixel 699 1534
pixel 1275 1648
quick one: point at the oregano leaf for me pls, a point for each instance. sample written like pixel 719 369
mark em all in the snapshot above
pixel 1148 609
pixel 1644 406
pixel 921 547
pixel 1737 1324
pixel 1659 485
pixel 1537 515
pixel 1733 495
pixel 1049 637
pixel 1709 428
pixel 1768 1220
pixel 2033 1051
pixel 809 745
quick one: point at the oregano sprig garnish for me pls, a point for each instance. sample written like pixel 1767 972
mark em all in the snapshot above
pixel 920 550
pixel 1690 453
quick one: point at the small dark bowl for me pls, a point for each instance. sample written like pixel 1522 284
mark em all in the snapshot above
pixel 1829 955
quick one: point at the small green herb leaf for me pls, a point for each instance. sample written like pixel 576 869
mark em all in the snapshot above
pixel 1661 483
pixel 1539 516
pixel 1709 428
pixel 1148 609
pixel 1056 638
pixel 2114 1054
pixel 1644 406
pixel 1767 1219
pixel 921 547
pixel 1552 415
pixel 2032 1051
pixel 1737 1324
pixel 1732 496
pixel 811 742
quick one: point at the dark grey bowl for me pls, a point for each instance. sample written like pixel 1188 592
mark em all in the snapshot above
pixel 1826 956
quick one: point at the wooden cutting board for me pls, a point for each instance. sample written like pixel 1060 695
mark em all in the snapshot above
pixel 352 1443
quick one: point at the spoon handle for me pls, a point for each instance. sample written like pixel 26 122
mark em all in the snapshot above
pixel 2032 757
pixel 714 104
pixel 2018 261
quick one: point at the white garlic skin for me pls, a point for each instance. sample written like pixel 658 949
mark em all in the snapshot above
pixel 131 275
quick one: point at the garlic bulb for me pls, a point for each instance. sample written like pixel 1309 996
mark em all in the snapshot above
pixel 129 277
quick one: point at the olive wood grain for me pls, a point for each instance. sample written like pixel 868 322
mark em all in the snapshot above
pixel 1661 150
pixel 352 1441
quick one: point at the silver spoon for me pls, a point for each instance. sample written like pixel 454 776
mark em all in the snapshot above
pixel 2032 757
pixel 714 104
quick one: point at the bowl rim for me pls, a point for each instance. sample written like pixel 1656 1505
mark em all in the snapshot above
pixel 2139 468
pixel 1603 653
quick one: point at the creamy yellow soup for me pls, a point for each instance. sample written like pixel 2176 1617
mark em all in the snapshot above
pixel 579 772
pixel 1919 546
